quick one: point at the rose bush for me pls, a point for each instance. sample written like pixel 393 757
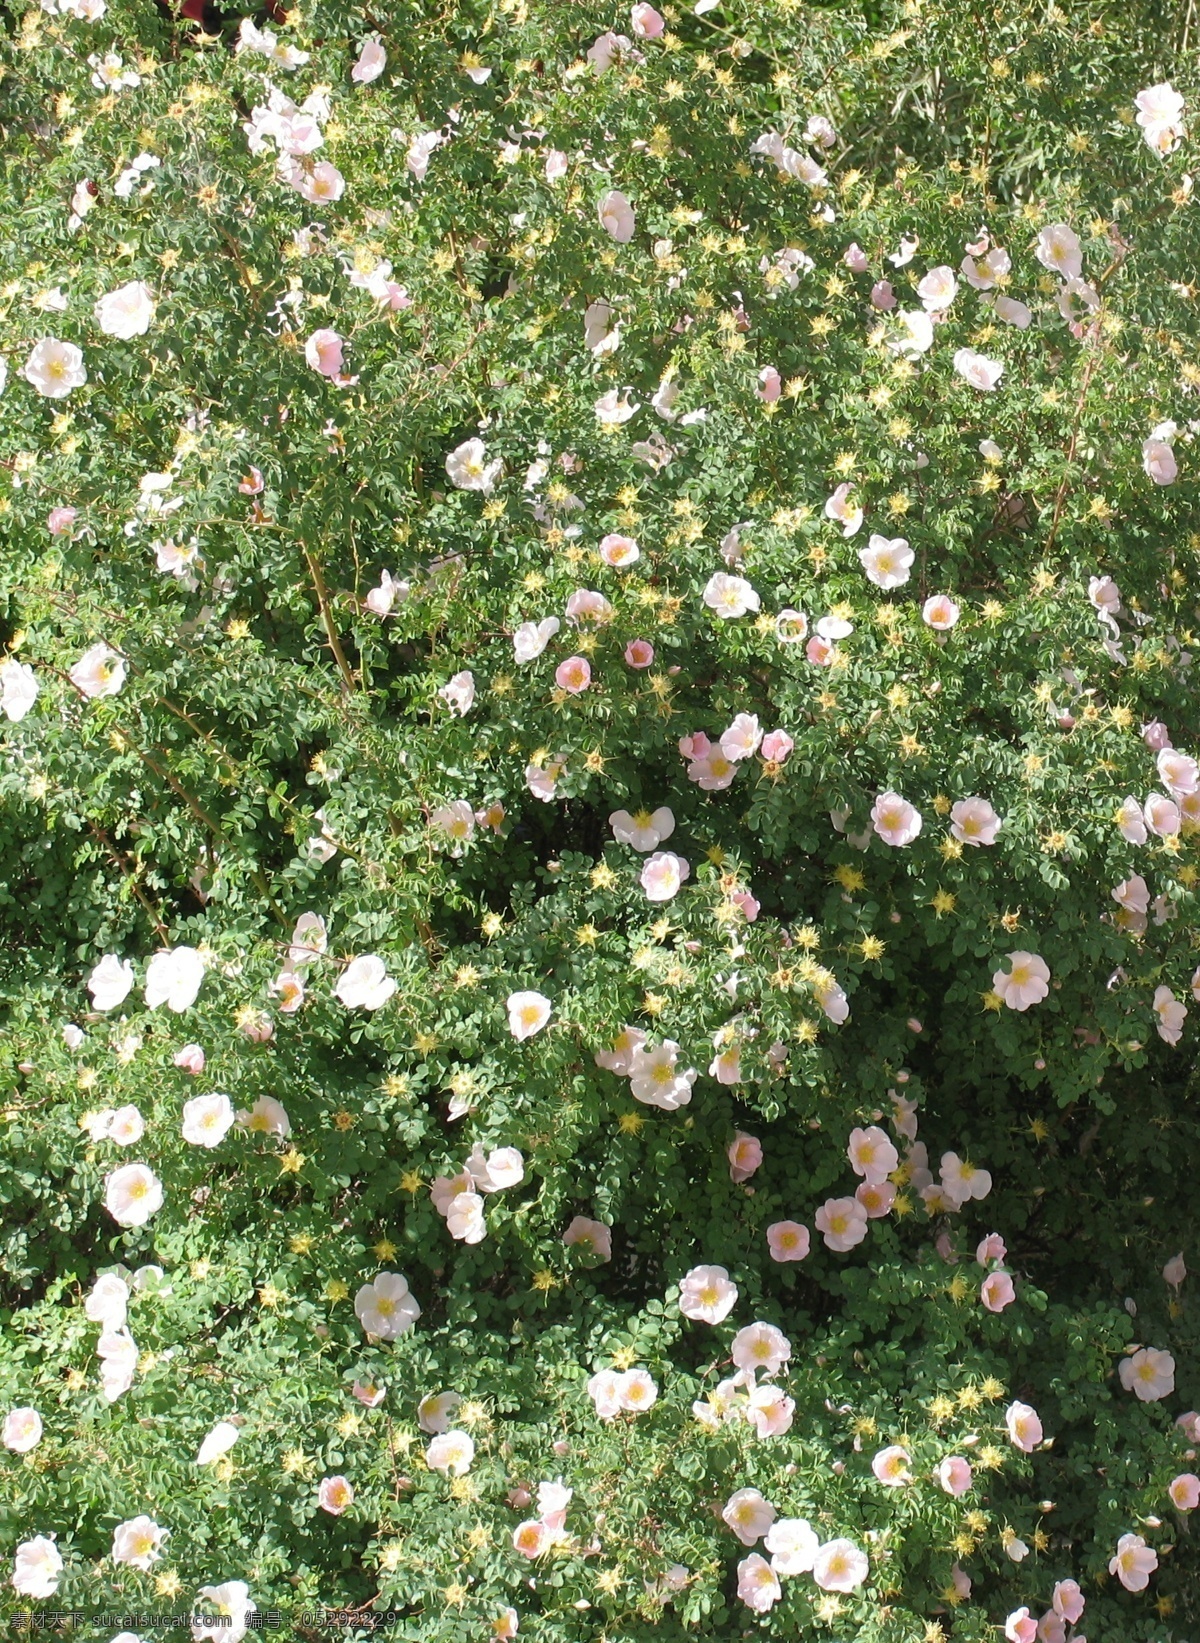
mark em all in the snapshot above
pixel 599 808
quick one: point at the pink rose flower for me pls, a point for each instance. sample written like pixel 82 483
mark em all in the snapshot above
pixel 574 675
pixel 745 1155
pixel 788 1241
pixel 997 1291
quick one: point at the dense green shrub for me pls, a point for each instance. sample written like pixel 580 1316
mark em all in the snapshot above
pixel 403 474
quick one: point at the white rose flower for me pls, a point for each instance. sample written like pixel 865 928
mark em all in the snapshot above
pixel 207 1119
pixel 132 1194
pixel 55 368
pixel 126 312
pixel 110 982
pixel 365 984
pixel 18 686
pixel 173 978
pixel 98 672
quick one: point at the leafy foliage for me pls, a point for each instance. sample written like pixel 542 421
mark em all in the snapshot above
pixel 278 747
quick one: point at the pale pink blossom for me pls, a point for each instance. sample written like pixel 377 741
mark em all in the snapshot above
pixel 876 1198
pixel 450 1453
pixel 894 820
pixel 770 1411
pixel 458 693
pixel 207 1119
pixel 655 1079
pixel 940 613
pixel 1162 816
pixel 1149 1374
pixel 586 605
pixel 1171 1015
pixel 974 822
pixel 531 638
pixel 1020 1627
pixel 1013 312
pixel 100 671
pixel 619 551
pixel 962 1179
pixel 593 1237
pixel 37 1566
pixel 1024 1427
pixel 132 1194
pixel 464 1218
pixel 831 1000
pixel 573 675
pixel 1175 1271
pixel 770 385
pixel 871 1154
pixel 791 627
pixel 1180 774
pixel 372 60
pixel 379 601
pixel 1058 250
pixel 882 296
pixel 840 1566
pixel 977 369
pixel 742 739
pixel 890 1466
pixel 334 1495
pixel 938 289
pixel 61 521
pixel 663 875
pixel 758 1584
pixel 645 830
pixel 468 468
pixel 1067 1600
pixel 386 1306
pixel 639 653
pixel 793 1545
pixel 22 1430
pixel 617 216
pixel 707 1294
pixel 1160 115
pixel 887 562
pixel 531 1538
pixel 1184 1491
pixel 323 351
pixel 788 1241
pixel 992 1248
pixel 954 1475
pixel 645 22
pixel 983 271
pixel 528 1013
pixel 842 1222
pixel 745 1156
pixel 1026 982
pixel 55 368
pixel 777 746
pixel 602 1388
pixel 997 1291
pixel 760 1346
pixel 912 335
pixel 553 1499
pixel 1130 821
pixel 729 596
pixel 1134 1563
pixel 839 508
pixel 635 1391
pixel 365 984
pixel 749 1515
